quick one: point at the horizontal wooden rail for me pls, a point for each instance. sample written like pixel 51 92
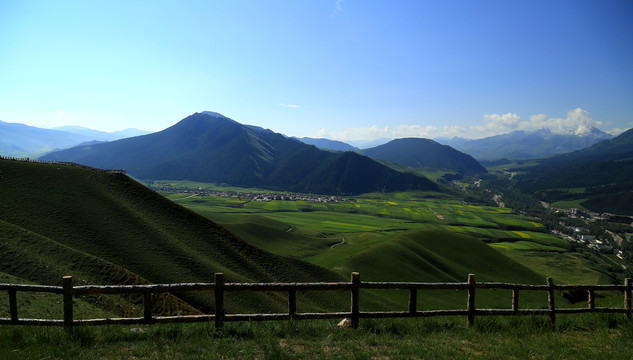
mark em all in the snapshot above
pixel 32 288
pixel 413 285
pixel 140 289
pixel 220 287
pixel 288 286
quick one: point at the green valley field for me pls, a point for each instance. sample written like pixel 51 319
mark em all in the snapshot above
pixel 106 228
pixel 411 236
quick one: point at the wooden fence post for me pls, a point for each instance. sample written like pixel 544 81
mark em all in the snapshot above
pixel 219 300
pixel 13 306
pixel 515 299
pixel 413 300
pixel 67 288
pixel 147 307
pixel 590 299
pixel 354 299
pixel 550 300
pixel 292 304
pixel 470 306
pixel 627 297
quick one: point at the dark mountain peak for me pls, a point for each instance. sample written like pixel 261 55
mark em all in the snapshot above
pixel 209 117
pixel 416 145
pixel 206 120
pixel 413 140
pixel 201 123
pixel 420 152
pixel 352 155
pixel 210 147
pixel 213 114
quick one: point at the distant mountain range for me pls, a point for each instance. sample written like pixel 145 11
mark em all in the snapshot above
pixel 213 148
pixel 97 135
pixel 327 144
pixel 425 153
pixel 19 140
pixel 525 145
pixel 513 145
pixel 600 176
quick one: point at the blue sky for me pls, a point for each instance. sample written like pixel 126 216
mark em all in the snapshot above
pixel 343 69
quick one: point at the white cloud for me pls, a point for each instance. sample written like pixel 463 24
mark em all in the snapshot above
pixel 577 121
pixel 338 7
pixel 62 118
pixel 616 131
pixel 495 123
pixel 62 115
pixel 414 131
pixel 365 133
pixel 538 121
pixel 450 131
pixel 289 106
pixel 400 131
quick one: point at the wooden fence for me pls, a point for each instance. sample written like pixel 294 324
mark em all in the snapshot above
pixel 219 287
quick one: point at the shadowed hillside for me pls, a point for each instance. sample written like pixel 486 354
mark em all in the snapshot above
pixel 106 228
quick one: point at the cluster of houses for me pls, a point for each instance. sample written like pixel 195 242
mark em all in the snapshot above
pixel 589 240
pixel 592 242
pixel 592 216
pixel 266 196
pixel 579 234
pixel 298 197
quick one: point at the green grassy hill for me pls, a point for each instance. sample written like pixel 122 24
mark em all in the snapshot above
pixel 103 228
pixel 32 258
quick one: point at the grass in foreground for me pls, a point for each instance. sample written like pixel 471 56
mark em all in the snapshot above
pixel 579 337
